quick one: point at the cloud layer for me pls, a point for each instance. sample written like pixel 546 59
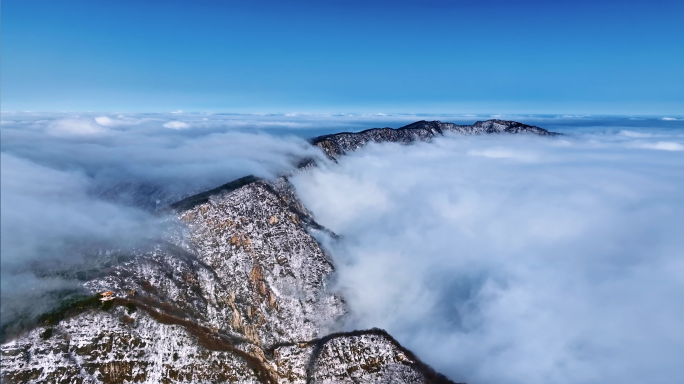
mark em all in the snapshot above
pixel 503 259
pixel 74 185
pixel 156 157
pixel 516 259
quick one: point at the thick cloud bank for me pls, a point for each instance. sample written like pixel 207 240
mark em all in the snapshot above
pixel 75 185
pixel 498 259
pixel 149 161
pixel 516 259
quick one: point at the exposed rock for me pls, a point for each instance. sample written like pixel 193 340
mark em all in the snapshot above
pixel 371 356
pixel 244 277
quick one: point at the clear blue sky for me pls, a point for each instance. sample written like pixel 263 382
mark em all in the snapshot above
pixel 624 57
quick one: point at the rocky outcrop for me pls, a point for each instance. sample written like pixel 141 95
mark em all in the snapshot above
pixel 241 293
pixel 338 144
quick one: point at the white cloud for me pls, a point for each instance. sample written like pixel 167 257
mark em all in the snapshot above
pixel 75 127
pixel 175 161
pixel 660 146
pixel 669 119
pixel 120 121
pixel 104 121
pixel 176 125
pixel 43 211
pixel 635 134
pixel 567 269
pixel 366 197
pixel 502 153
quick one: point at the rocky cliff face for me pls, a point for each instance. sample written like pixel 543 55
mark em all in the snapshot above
pixel 239 291
pixel 240 294
pixel 338 144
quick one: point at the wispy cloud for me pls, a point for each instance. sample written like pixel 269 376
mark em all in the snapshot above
pixel 660 146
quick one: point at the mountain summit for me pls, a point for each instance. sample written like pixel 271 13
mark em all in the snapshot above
pixel 338 144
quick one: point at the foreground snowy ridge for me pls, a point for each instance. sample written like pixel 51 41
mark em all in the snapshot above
pixel 242 292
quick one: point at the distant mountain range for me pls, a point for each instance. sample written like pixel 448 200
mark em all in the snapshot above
pixel 338 144
pixel 240 291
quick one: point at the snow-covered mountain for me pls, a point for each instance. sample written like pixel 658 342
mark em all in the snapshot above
pixel 239 290
pixel 338 144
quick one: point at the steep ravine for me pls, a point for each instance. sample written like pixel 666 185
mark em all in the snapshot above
pixel 240 292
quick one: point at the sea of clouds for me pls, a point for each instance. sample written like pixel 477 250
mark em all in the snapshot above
pixel 516 259
pixel 75 184
pixel 497 259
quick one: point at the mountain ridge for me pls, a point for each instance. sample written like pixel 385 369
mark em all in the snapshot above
pixel 241 292
pixel 337 144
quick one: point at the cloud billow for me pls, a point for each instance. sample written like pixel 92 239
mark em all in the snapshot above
pixel 516 259
pixel 503 259
pixel 74 186
pixel 137 160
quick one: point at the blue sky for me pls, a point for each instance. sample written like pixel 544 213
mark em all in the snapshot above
pixel 343 56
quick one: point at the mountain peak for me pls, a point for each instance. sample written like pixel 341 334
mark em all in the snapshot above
pixel 336 145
